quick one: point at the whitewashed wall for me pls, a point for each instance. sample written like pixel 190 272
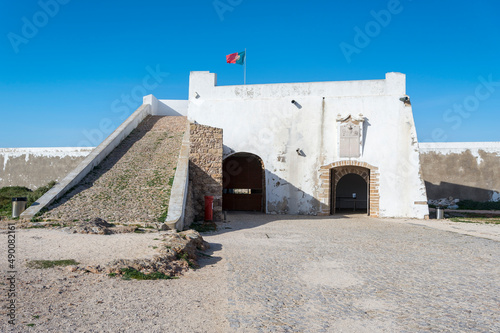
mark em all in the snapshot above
pixel 261 119
pixel 166 107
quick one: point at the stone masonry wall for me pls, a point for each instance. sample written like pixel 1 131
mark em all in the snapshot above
pixel 205 169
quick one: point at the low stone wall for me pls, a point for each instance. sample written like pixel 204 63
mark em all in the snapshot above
pixel 464 170
pixel 205 170
pixel 35 167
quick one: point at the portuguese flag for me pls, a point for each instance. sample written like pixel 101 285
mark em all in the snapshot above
pixel 236 58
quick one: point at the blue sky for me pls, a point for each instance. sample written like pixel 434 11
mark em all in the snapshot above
pixel 67 76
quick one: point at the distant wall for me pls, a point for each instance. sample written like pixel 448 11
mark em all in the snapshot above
pixel 35 167
pixel 464 170
pixel 166 107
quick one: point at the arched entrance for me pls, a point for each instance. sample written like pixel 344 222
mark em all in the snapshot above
pixel 357 177
pixel 243 183
pixel 351 194
pixel 332 173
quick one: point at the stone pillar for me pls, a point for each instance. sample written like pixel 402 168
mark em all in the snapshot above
pixel 205 169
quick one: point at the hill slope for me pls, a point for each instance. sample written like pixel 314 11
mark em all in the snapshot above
pixel 132 185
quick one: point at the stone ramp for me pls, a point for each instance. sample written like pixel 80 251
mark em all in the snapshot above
pixel 132 185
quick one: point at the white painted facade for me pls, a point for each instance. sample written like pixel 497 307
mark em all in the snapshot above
pixel 261 119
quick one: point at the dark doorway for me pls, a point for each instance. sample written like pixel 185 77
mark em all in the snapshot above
pixel 351 194
pixel 243 180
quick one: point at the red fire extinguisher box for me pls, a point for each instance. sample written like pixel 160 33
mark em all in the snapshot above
pixel 209 208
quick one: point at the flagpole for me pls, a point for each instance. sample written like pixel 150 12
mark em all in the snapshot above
pixel 245 71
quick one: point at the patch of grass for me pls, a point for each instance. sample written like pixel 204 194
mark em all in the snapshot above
pixel 480 220
pixel 163 216
pixel 32 197
pixel 130 273
pixel 112 274
pixel 184 256
pixel 6 195
pixel 156 180
pixel 139 231
pixel 9 192
pixel 171 180
pixel 30 325
pixel 203 226
pixel 42 264
pixel 36 317
pixel 477 205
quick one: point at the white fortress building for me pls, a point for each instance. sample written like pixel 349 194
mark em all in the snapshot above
pixel 324 147
pixel 318 148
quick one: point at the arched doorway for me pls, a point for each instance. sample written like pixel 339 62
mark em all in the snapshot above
pixel 351 194
pixel 243 183
pixel 331 173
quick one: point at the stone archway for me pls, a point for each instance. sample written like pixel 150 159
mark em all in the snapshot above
pixel 331 174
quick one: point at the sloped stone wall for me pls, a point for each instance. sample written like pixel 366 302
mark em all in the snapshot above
pixel 205 170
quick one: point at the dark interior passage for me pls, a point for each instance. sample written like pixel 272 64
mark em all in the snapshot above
pixel 352 194
pixel 243 181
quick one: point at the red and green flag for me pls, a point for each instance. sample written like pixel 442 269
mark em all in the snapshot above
pixel 236 58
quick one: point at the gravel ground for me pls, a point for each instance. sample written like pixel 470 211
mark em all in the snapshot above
pixel 57 300
pixel 271 273
pixel 132 184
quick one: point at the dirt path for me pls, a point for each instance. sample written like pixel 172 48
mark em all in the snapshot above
pixel 57 300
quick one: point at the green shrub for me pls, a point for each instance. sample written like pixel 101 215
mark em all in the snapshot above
pixel 7 193
pixel 130 273
pixel 477 205
pixel 41 264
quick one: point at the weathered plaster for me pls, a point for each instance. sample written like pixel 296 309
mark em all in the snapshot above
pixel 295 140
pixel 464 170
pixel 35 167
